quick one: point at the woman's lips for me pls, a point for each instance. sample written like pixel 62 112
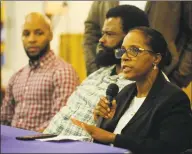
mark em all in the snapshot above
pixel 126 68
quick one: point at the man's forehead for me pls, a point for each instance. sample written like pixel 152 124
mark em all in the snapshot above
pixel 112 24
pixel 32 26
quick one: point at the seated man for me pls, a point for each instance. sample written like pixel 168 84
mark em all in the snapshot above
pixel 37 92
pixel 81 103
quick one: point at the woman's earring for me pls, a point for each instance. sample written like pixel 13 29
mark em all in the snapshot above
pixel 154 66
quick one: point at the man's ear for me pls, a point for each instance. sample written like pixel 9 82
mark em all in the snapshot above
pixel 50 36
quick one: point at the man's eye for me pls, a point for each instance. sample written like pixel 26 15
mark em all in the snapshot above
pixel 25 33
pixel 109 34
pixel 39 33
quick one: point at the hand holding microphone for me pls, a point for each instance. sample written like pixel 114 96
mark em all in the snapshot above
pixel 107 105
pixel 105 109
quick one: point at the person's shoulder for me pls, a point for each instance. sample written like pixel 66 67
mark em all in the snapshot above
pixel 62 70
pixel 102 71
pixel 103 6
pixel 98 74
pixel 61 65
pixel 16 74
pixel 173 88
pixel 97 3
pixel 20 71
pixel 60 62
pixel 173 93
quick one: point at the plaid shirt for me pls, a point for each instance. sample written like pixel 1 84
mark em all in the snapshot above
pixel 37 92
pixel 82 102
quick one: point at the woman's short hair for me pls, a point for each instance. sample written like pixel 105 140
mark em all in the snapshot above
pixel 157 43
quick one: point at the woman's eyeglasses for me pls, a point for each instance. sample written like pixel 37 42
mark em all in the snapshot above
pixel 133 51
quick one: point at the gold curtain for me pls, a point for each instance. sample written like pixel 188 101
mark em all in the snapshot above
pixel 188 91
pixel 71 50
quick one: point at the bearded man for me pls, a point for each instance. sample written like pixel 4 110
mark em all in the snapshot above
pixel 84 99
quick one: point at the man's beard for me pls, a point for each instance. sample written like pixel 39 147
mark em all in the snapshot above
pixel 106 56
pixel 39 55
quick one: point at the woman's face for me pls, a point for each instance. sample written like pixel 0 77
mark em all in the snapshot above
pixel 137 68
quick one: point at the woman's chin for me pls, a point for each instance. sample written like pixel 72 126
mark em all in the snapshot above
pixel 128 77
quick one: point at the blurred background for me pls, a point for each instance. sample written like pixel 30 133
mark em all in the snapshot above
pixel 67 18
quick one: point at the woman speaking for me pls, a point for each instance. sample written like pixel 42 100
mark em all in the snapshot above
pixel 152 115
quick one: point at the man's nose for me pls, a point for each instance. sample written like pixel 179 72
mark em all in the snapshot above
pixel 102 39
pixel 32 38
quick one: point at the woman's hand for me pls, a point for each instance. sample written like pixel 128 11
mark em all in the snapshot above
pixel 102 109
pixel 96 133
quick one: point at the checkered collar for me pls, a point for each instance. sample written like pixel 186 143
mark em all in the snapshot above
pixel 43 61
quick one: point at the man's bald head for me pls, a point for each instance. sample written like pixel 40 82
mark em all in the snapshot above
pixel 36 17
pixel 36 35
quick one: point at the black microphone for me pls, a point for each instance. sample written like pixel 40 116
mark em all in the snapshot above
pixel 111 93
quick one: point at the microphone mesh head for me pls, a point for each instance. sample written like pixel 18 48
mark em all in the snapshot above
pixel 112 90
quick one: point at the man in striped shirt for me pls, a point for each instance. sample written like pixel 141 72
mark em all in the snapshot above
pixel 37 91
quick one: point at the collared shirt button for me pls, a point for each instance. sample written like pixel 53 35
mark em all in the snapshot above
pixel 41 64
